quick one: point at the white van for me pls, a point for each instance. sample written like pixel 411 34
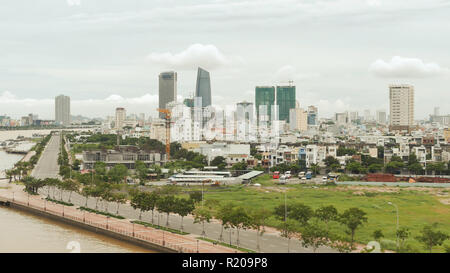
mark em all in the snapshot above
pixel 287 174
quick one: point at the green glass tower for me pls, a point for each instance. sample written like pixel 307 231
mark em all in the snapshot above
pixel 264 95
pixel 285 101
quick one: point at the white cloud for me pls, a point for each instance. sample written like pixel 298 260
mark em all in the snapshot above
pixel 207 56
pixel 400 67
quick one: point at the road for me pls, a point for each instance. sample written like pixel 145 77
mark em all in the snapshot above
pixel 270 242
pixel 47 166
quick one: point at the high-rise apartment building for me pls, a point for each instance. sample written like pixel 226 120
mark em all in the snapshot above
pixel 121 115
pixel 244 111
pixel 203 87
pixel 298 119
pixel 286 99
pixel 381 117
pixel 264 96
pixel 167 89
pixel 401 105
pixel 313 113
pixel 62 110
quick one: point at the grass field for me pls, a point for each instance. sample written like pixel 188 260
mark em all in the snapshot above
pixel 417 207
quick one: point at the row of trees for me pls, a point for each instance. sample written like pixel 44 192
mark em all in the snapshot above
pixel 429 237
pixel 23 168
pixel 372 165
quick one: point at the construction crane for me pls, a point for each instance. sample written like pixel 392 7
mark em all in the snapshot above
pixel 167 115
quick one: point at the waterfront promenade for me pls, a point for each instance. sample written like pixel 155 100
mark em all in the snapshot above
pixel 162 240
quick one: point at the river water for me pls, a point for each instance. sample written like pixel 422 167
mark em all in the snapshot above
pixel 24 232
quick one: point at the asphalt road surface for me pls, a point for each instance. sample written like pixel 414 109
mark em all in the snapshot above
pixel 47 166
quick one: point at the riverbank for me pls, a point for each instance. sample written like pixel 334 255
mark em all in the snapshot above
pixel 150 238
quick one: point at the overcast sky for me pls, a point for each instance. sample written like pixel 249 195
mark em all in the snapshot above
pixel 341 54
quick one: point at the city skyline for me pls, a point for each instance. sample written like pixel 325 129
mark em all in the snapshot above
pixel 335 63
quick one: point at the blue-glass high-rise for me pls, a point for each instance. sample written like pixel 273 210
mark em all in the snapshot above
pixel 203 87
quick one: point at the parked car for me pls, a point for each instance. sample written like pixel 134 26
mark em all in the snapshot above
pixel 287 174
pixel 301 175
pixel 324 179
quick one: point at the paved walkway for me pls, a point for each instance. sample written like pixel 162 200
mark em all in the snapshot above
pixel 47 165
pixel 270 242
pixel 180 243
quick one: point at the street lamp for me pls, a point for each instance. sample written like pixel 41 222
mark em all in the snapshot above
pixel 396 208
pixel 133 229
pixel 63 211
pixel 107 218
pixel 285 215
pixel 197 246
pixel 164 241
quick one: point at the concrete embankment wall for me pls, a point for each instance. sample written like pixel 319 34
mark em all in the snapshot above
pixel 97 230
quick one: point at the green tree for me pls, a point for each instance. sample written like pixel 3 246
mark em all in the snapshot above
pixel 373 168
pixel 119 198
pixel 332 163
pixel 183 207
pixel 196 196
pixel 258 218
pixel 415 168
pixel 71 186
pixel 315 168
pixel 326 214
pixel 220 162
pixel 288 228
pixel 314 237
pixel 394 167
pixel 240 219
pixel 224 214
pixel 402 235
pixel 202 215
pixel 166 204
pixel 239 166
pixel 353 218
pixel 141 170
pixel 378 234
pixel 301 213
pixel 431 237
pixel 118 173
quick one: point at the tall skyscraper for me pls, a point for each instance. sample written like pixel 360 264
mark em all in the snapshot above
pixel 167 89
pixel 62 110
pixel 313 113
pixel 286 99
pixel 401 105
pixel 203 87
pixel 264 95
pixel 121 115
